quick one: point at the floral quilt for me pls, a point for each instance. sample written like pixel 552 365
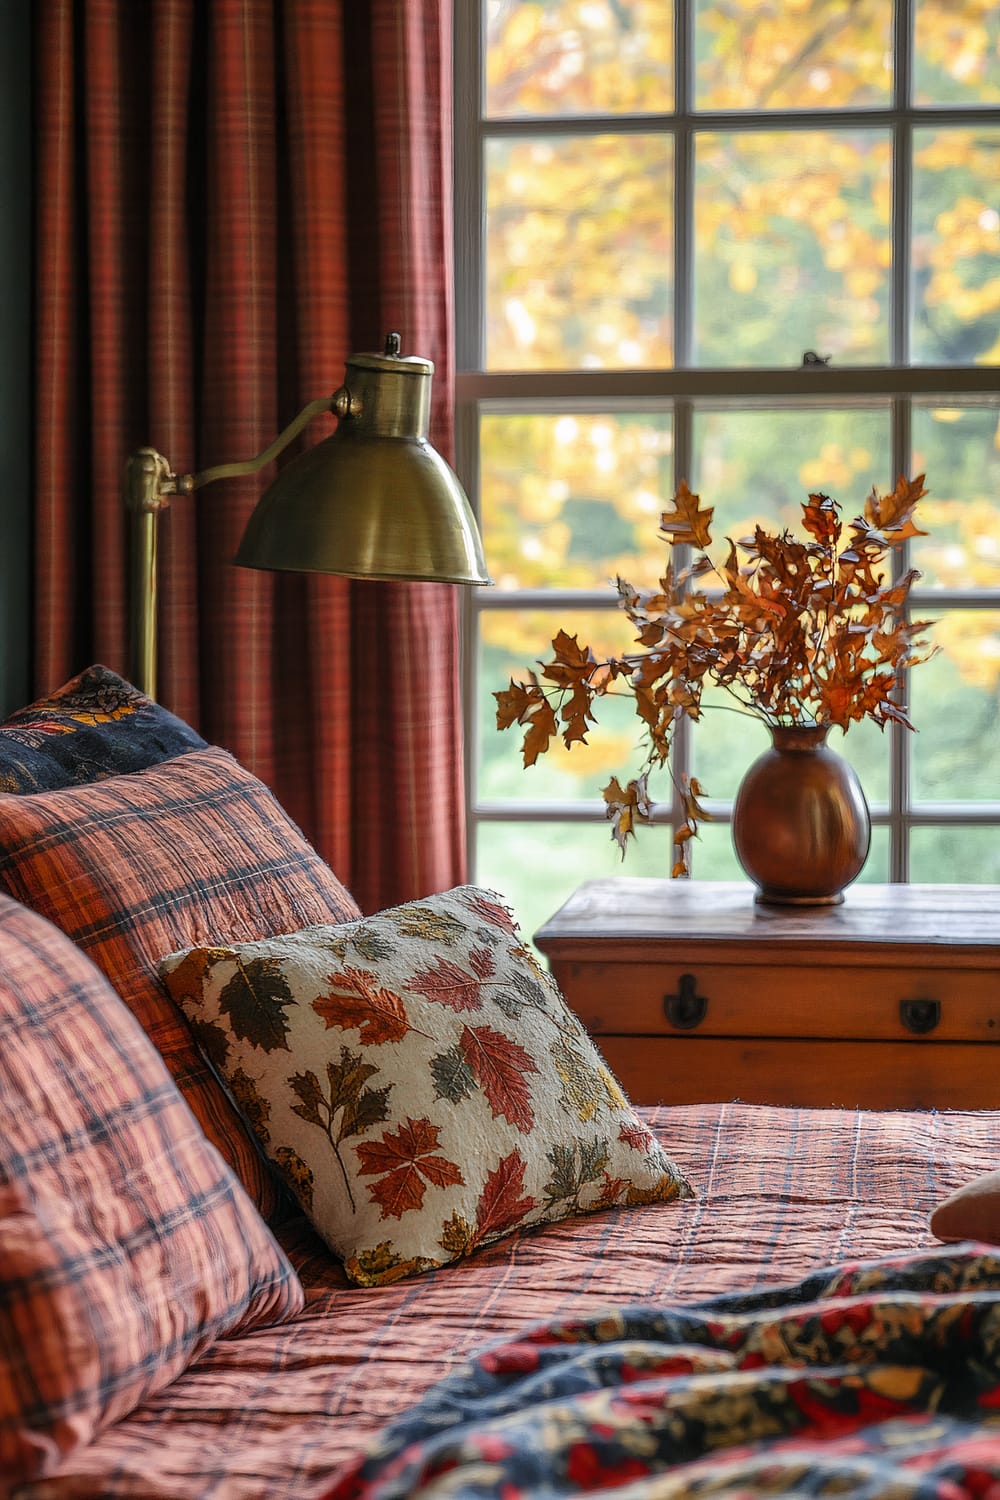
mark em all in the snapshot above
pixel 877 1379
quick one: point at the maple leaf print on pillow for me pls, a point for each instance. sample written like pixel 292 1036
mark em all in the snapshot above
pixel 255 999
pixel 403 1160
pixel 501 1067
pixel 419 1082
pixel 493 912
pixel 359 1000
pixel 449 984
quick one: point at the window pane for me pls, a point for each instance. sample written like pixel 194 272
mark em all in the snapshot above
pixel 574 500
pixel 537 866
pixel 761 465
pixel 958 856
pixel 578 57
pixel 579 245
pixel 511 644
pixel 876 868
pixel 792 247
pixel 869 750
pixel 793 54
pixel 956 247
pixel 726 742
pixel 711 854
pixel 953 706
pixel 958 448
pixel 957 52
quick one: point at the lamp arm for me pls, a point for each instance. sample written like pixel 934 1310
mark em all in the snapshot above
pixel 245 466
pixel 149 484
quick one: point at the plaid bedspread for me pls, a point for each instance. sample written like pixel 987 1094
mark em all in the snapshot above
pixel 880 1379
pixel 283 1415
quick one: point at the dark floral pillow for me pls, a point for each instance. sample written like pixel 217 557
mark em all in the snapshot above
pixel 419 1081
pixel 96 725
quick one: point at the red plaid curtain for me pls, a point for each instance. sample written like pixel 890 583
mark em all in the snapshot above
pixel 233 196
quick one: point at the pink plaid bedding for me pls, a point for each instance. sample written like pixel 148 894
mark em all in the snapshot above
pixel 278 1414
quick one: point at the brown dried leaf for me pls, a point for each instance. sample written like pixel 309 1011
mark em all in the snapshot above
pixel 541 731
pixel 690 522
pixel 693 809
pixel 570 661
pixel 893 514
pixel 527 704
pixel 821 518
pixel 625 807
pixel 514 704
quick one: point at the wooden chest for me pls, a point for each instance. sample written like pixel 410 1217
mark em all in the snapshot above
pixel 696 993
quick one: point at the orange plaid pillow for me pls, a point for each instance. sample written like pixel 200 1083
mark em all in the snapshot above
pixel 127 1246
pixel 196 850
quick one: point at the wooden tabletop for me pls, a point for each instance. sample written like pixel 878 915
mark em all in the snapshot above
pixel 636 907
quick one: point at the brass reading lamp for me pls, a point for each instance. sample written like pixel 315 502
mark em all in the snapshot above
pixel 372 500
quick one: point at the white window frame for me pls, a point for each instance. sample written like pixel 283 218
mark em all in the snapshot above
pixel 684 387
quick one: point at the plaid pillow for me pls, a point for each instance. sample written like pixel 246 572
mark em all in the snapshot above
pixel 420 1081
pixel 126 1244
pixel 196 850
pixel 95 725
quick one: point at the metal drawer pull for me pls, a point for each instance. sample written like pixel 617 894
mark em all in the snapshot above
pixel 920 1016
pixel 687 1008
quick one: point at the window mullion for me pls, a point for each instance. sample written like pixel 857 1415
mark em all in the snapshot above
pixel 468 94
pixel 683 333
pixel 899 345
pixel 902 183
pixel 681 749
pixel 467 150
pixel 902 215
pixel 683 188
pixel 899 737
pixel 902 44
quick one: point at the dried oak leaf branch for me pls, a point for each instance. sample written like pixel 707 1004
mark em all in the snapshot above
pixel 796 631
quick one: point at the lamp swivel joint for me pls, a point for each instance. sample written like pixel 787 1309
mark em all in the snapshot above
pixel 344 404
pixel 150 481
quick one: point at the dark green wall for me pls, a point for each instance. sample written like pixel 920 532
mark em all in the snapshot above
pixel 15 353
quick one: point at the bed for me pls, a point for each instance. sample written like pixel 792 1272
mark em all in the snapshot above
pixel 283 1412
pixel 601 1351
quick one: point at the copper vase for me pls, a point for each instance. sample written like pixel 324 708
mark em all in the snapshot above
pixel 801 827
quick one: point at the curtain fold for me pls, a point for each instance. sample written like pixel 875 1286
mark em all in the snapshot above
pixel 232 197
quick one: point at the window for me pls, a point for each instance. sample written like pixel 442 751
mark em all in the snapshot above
pixel 661 209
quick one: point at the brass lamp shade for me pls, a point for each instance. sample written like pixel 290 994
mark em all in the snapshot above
pixel 374 499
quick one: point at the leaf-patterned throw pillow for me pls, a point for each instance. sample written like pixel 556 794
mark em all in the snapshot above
pixel 419 1081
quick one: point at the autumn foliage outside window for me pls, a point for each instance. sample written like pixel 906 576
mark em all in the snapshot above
pixel 796 632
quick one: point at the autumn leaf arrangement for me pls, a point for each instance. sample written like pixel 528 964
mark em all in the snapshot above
pixel 795 631
pixel 419 1082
